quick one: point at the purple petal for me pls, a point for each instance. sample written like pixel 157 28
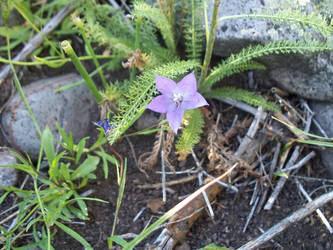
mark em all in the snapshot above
pixel 165 85
pixel 188 85
pixel 159 104
pixel 174 118
pixel 195 101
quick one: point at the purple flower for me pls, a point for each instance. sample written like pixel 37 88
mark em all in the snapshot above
pixel 175 98
pixel 105 125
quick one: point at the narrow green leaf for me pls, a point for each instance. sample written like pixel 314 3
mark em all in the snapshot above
pixel 3 197
pixel 81 204
pixel 80 148
pixel 74 235
pixel 47 144
pixel 120 241
pixel 89 165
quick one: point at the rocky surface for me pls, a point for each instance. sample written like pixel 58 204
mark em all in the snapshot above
pixel 324 115
pixel 8 176
pixel 74 109
pixel 309 75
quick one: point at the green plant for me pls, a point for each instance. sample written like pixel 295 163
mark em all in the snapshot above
pixel 56 199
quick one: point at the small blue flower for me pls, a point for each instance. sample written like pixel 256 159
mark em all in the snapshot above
pixel 105 125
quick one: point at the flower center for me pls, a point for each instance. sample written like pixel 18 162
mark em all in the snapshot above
pixel 177 98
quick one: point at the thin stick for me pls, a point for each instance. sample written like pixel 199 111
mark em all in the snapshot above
pixel 288 221
pixel 223 184
pixel 251 214
pixel 273 241
pixel 312 179
pixel 163 176
pixel 281 181
pixel 299 164
pixel 168 183
pixel 316 123
pixel 37 40
pixel 271 170
pixel 250 133
pixel 243 106
pixel 318 211
pixel 204 194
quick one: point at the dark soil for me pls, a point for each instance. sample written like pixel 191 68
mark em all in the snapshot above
pixel 230 210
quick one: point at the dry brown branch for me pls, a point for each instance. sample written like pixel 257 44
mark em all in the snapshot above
pixel 288 221
pixel 37 40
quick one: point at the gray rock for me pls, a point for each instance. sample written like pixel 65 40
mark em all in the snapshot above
pixel 309 75
pixel 324 115
pixel 8 176
pixel 74 109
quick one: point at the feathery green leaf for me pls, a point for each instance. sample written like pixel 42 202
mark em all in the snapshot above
pixel 246 56
pixel 242 95
pixel 191 133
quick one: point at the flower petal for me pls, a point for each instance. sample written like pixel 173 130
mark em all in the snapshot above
pixel 195 101
pixel 174 118
pixel 165 85
pixel 187 86
pixel 159 104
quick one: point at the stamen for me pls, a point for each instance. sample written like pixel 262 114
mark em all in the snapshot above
pixel 177 98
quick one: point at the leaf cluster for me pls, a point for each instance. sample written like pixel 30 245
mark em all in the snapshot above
pixel 57 197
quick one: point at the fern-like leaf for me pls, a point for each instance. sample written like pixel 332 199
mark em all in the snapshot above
pixel 157 17
pixel 141 93
pixel 242 95
pixel 191 133
pixel 315 21
pixel 246 56
pixel 193 31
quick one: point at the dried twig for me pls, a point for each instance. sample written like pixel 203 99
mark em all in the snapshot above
pixel 320 214
pixel 288 221
pixel 37 40
pixel 169 183
pixel 290 163
pixel 163 177
pixel 259 115
pixel 251 214
pixel 243 106
pixel 282 180
pixel 299 164
pixel 271 171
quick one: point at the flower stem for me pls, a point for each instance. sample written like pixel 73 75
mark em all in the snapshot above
pixel 91 52
pixel 137 44
pixel 210 45
pixel 66 46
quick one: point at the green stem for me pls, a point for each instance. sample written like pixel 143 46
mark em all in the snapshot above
pixel 42 209
pixel 19 87
pixel 137 44
pixel 91 52
pixel 210 45
pixel 66 46
pixel 53 61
